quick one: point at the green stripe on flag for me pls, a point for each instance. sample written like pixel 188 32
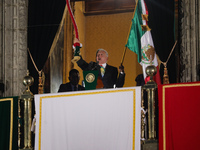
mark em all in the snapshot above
pixel 134 40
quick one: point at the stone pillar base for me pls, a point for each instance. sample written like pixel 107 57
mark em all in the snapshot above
pixel 149 145
pixel 26 149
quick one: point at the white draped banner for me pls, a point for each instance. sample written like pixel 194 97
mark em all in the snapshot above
pixel 107 119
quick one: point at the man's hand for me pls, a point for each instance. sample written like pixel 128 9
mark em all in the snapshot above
pixel 76 40
pixel 121 69
pixel 76 46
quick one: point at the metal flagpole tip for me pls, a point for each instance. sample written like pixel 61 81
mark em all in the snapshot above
pixel 28 80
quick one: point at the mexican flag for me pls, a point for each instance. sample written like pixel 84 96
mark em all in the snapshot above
pixel 140 40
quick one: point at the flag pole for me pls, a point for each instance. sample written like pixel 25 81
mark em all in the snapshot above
pixel 123 55
pixel 122 60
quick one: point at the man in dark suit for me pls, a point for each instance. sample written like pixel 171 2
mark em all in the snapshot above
pixel 73 84
pixel 107 74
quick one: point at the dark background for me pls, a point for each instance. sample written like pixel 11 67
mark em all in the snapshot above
pixel 44 17
pixel 161 21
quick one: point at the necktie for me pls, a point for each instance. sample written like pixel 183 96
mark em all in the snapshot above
pixel 102 70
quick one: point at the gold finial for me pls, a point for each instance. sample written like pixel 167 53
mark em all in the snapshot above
pixel 165 76
pixel 28 81
pixel 151 70
pixel 27 72
pixel 41 82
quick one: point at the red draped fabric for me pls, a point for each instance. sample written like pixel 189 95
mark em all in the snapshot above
pixel 179 116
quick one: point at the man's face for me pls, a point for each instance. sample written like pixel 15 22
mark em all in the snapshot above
pixel 101 57
pixel 74 78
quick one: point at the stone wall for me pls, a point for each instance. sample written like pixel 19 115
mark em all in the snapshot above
pixel 189 38
pixel 13 45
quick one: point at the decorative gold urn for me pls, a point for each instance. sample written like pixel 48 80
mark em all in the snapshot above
pixel 25 101
pixel 150 87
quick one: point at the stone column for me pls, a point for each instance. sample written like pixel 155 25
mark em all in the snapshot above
pixel 13 45
pixel 189 23
pixel 1 51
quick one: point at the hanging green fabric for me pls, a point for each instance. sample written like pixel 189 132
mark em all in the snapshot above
pixel 8 123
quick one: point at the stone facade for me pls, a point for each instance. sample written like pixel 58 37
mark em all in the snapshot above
pixel 189 32
pixel 13 45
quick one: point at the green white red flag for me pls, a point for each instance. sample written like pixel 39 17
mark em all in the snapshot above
pixel 140 40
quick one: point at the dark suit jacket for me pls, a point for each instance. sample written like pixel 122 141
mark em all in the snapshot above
pixel 67 87
pixel 110 77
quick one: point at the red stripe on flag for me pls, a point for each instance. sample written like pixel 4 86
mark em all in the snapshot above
pixel 72 18
pixel 146 8
pixel 157 76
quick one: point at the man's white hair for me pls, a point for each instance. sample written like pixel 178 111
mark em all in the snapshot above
pixel 101 49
